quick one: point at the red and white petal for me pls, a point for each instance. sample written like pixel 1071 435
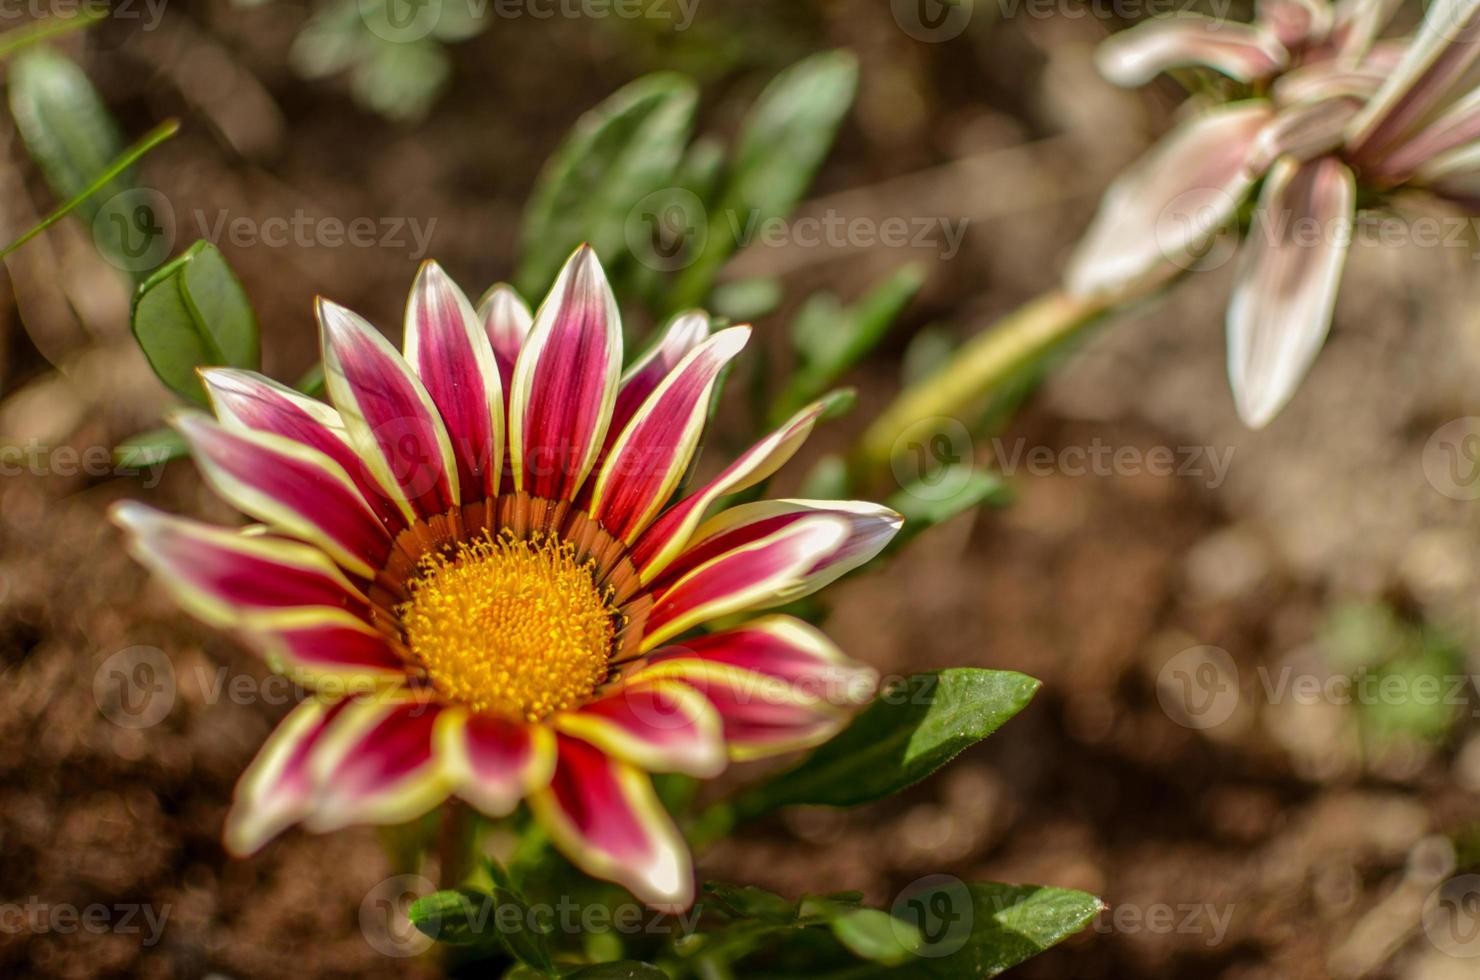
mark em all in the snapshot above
pixel 1455 175
pixel 248 401
pixel 493 763
pixel 449 350
pixel 1296 24
pixel 1443 49
pixel 778 683
pixel 1458 127
pixel 1287 281
pixel 870 528
pixel 1242 52
pixel 657 725
pixel 277 789
pixel 684 333
pixel 650 457
pixel 506 320
pixel 1160 211
pixel 293 489
pixel 565 382
pixel 760 574
pixel 1356 24
pixel 389 416
pixel 377 763
pixel 660 544
pixel 1304 131
pixel 605 817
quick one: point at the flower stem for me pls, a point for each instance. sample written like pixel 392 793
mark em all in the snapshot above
pixel 1016 341
pixel 456 843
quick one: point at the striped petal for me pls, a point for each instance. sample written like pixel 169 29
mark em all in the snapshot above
pixel 248 401
pixel 377 763
pixel 684 333
pixel 777 683
pixel 650 457
pixel 1446 44
pixel 277 789
pixel 565 382
pixel 1136 56
pixel 1162 209
pixel 506 319
pixel 605 817
pixel 1304 131
pixel 1457 127
pixel 278 592
pixel 1287 281
pixel 1356 24
pixel 656 725
pixel 389 416
pixel 666 539
pixel 1455 175
pixel 1295 23
pixel 767 572
pixel 870 528
pixel 291 488
pixel 449 350
pixel 493 763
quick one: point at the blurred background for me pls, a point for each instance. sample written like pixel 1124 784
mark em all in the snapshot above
pixel 1237 743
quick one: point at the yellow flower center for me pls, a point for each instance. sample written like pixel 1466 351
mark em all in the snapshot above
pixel 510 626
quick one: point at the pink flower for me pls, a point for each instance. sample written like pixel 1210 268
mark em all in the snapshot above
pixel 1331 115
pixel 474 560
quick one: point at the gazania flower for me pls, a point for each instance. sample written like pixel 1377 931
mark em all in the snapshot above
pixel 1327 116
pixel 481 532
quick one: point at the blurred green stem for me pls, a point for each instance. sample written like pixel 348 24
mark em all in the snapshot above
pixel 456 843
pixel 1014 342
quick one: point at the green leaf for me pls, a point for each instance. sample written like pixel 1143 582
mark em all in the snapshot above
pixel 911 729
pixel 458 916
pixel 874 935
pixel 782 143
pixel 947 492
pixel 40 30
pixel 400 79
pixel 193 313
pixel 831 338
pixel 747 299
pixel 750 902
pixel 79 149
pixel 982 929
pixel 150 449
pixel 625 970
pixel 617 154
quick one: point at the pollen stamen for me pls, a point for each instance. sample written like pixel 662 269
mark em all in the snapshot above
pixel 510 625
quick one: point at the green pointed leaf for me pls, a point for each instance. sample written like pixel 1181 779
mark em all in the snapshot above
pixel 947 492
pixel 781 146
pixel 150 449
pixel 456 916
pixel 625 970
pixel 617 154
pixel 911 730
pixel 193 313
pixel 982 929
pixel 871 934
pixel 77 145
pixel 750 902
